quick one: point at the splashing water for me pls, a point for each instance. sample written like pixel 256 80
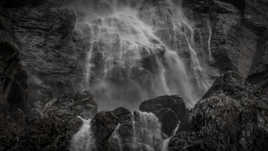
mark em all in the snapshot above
pixel 148 129
pixel 128 61
pixel 83 140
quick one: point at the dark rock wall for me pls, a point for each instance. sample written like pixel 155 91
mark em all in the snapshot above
pixel 13 76
pixel 228 118
pixel 239 38
pixel 50 52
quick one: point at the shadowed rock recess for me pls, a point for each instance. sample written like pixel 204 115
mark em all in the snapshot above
pixel 134 75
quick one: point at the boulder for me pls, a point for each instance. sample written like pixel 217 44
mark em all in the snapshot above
pixel 49 128
pixel 103 125
pixel 69 107
pixel 229 117
pixel 223 123
pixel 170 110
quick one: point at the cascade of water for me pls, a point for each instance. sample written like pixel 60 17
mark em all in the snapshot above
pixel 198 70
pixel 83 140
pixel 88 67
pixel 127 46
pixel 179 77
pixel 148 128
pixel 162 78
pixel 129 61
pixel 209 40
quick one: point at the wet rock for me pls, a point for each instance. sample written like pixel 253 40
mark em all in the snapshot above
pixel 49 51
pixel 68 107
pixel 221 122
pixel 123 114
pixel 226 119
pixel 255 19
pixel 230 83
pixel 237 38
pixel 48 133
pixel 13 78
pixel 169 109
pixel 12 127
pixel 103 125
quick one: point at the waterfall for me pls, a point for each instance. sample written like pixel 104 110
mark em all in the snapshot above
pixel 203 83
pixel 137 50
pixel 148 129
pixel 209 40
pixel 83 140
pixel 128 60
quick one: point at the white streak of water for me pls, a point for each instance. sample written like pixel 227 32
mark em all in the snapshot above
pixel 83 140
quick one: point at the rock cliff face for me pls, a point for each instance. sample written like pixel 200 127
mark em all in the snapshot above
pixel 238 36
pixel 60 60
pixel 226 121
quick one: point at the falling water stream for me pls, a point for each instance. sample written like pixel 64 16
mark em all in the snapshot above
pixel 129 60
pixel 83 140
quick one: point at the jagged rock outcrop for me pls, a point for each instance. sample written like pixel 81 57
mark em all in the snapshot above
pixel 170 110
pixel 68 107
pixel 32 118
pixel 50 128
pixel 256 19
pixel 13 77
pixel 13 88
pixel 231 84
pixel 238 40
pixel 51 52
pixel 223 121
pixel 103 125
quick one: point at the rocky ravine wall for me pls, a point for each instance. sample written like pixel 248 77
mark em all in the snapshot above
pixel 38 64
pixel 239 36
pixel 52 53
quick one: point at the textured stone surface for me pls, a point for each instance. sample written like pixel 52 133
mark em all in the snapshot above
pixel 49 51
pixel 41 69
pixel 223 121
pixel 170 110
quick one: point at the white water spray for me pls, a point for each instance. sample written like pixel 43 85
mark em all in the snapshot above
pixel 128 61
pixel 83 140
